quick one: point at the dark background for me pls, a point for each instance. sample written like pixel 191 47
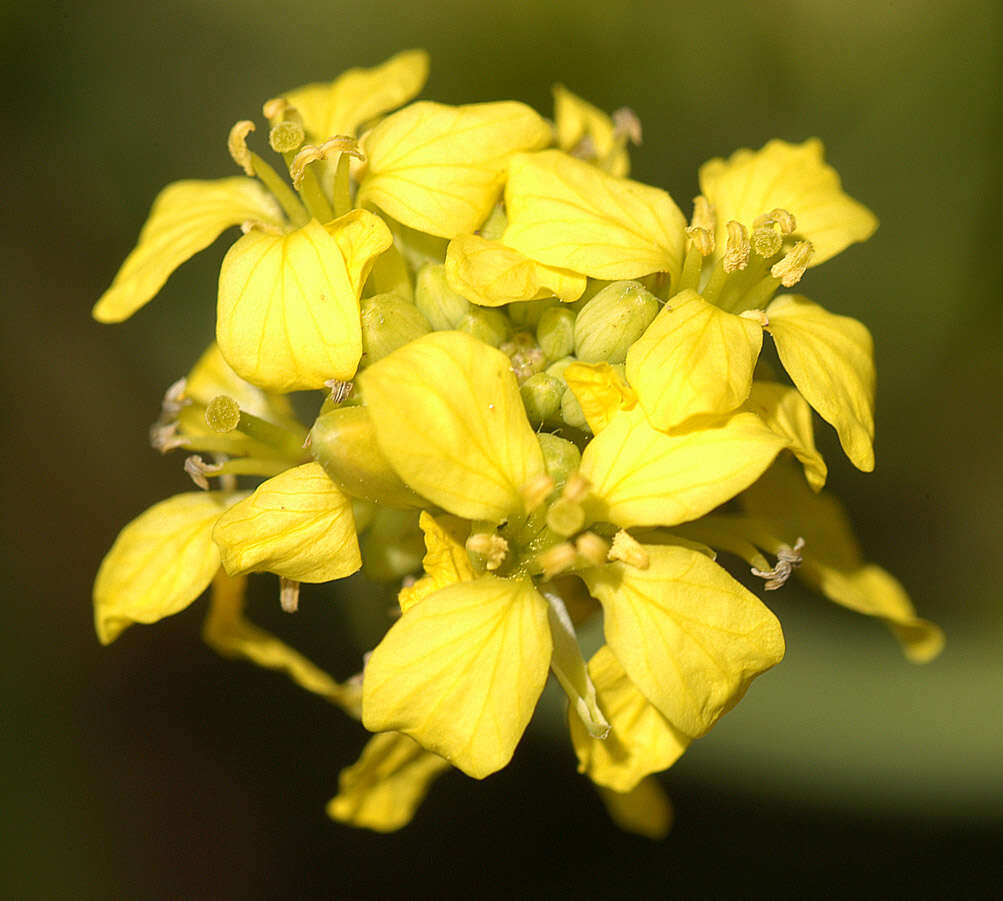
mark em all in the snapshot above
pixel 154 769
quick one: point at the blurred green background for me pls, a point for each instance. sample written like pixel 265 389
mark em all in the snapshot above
pixel 154 769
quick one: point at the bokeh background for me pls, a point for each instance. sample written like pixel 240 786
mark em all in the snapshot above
pixel 153 769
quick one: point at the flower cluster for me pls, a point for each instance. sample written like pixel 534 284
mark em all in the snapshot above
pixel 547 374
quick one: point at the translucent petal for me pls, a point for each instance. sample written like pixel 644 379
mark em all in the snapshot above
pixel 791 177
pixel 641 740
pixel 461 672
pixel 446 561
pixel 186 217
pixel 689 636
pixel 450 419
pixel 575 119
pixel 383 789
pixel 601 391
pixel 491 274
pixel 646 810
pixel 161 562
pixel 297 525
pixel 694 360
pixel 567 213
pixel 439 168
pixel 643 477
pixel 787 413
pixel 831 361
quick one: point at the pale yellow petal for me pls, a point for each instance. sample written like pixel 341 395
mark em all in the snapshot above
pixel 450 419
pixel 576 119
pixel 687 634
pixel 359 95
pixel 439 168
pixel 641 741
pixel 601 391
pixel 643 477
pixel 461 672
pixel 567 213
pixel 446 561
pixel 212 376
pixel 382 790
pixel 694 360
pixel 831 361
pixel 787 413
pixel 297 525
pixel 361 237
pixel 646 810
pixel 791 177
pixel 491 274
pixel 161 562
pixel 186 217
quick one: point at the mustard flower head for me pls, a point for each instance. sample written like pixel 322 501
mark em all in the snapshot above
pixel 541 415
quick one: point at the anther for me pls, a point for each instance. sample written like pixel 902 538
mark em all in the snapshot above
pixel 275 109
pixel 557 559
pixel 788 559
pixel 627 124
pixel 174 399
pixel 565 517
pixel 339 390
pixel 198 469
pixel 489 545
pixel 736 254
pixel 704 215
pixel 536 491
pixel 312 153
pixel 629 550
pixel 701 239
pixel 164 436
pixel 592 548
pixel 785 220
pixel 236 143
pixel 794 263
pixel 577 488
pixel 289 594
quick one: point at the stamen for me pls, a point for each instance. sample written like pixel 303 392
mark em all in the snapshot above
pixel 164 437
pixel 312 153
pixel 788 559
pixel 257 225
pixel 585 149
pixel 174 398
pixel 289 594
pixel 793 265
pixel 701 239
pixel 198 469
pixel 782 218
pixel 274 110
pixel 736 255
pixel 704 215
pixel 339 390
pixel 536 491
pixel 629 550
pixel 577 488
pixel 236 143
pixel 626 124
pixel 557 559
pixel 592 548
pixel 565 517
pixel 489 545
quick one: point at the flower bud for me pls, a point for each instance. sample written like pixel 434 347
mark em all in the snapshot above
pixel 440 304
pixel 612 321
pixel 541 396
pixel 389 322
pixel 490 326
pixel 527 313
pixel 560 456
pixel 571 411
pixel 343 441
pixel 555 332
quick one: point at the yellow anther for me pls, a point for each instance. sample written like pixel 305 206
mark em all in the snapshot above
pixel 339 390
pixel 311 153
pixel 536 491
pixel 577 488
pixel 790 269
pixel 701 239
pixel 704 214
pixel 557 559
pixel 736 254
pixel 627 549
pixel 626 124
pixel 274 110
pixel 257 225
pixel 198 469
pixel 236 143
pixel 785 220
pixel 565 517
pixel 222 414
pixel 289 594
pixel 592 548
pixel 491 546
pixel 788 559
pixel 286 136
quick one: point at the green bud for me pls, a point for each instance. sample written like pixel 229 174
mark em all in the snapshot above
pixel 490 326
pixel 555 333
pixel 571 410
pixel 527 313
pixel 560 456
pixel 440 304
pixel 541 396
pixel 343 441
pixel 557 369
pixel 612 321
pixel 389 322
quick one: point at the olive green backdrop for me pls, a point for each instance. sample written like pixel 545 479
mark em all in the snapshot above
pixel 153 769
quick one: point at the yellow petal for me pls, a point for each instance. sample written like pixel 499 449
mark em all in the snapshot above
pixel 643 477
pixel 490 274
pixel 446 561
pixel 186 217
pixel 575 119
pixel 439 168
pixel 361 237
pixel 229 633
pixel 601 391
pixel 450 419
pixel 791 177
pixel 383 789
pixel 694 360
pixel 288 315
pixel 359 95
pixel 644 811
pixel 689 636
pixel 297 525
pixel 787 413
pixel 641 741
pixel 831 361
pixel 461 672
pixel 212 376
pixel 161 562
pixel 567 213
